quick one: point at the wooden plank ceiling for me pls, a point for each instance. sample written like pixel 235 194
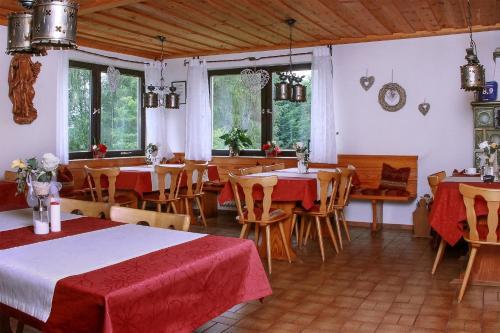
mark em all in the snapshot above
pixel 204 27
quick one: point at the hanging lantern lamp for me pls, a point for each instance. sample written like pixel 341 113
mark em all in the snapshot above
pixel 472 75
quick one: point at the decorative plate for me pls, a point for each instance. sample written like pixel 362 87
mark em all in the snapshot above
pixel 392 97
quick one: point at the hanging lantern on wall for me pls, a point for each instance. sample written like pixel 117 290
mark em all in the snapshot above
pixel 172 99
pixel 54 24
pixel 150 98
pixel 290 89
pixel 472 75
pixel 19 34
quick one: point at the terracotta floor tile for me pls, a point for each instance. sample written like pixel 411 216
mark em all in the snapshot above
pixel 392 328
pixel 431 322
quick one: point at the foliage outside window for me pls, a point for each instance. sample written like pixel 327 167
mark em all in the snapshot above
pixel 233 105
pixel 99 115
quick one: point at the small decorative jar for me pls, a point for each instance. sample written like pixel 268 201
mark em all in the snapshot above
pixel 41 218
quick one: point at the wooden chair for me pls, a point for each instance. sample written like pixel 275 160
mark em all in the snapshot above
pixel 479 234
pixel 251 170
pixel 273 167
pixel 161 198
pixel 150 218
pixel 326 179
pixel 10 176
pixel 260 216
pixel 194 192
pixel 434 181
pixel 342 200
pixel 97 192
pixel 86 208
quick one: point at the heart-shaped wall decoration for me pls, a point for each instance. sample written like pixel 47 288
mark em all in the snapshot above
pixel 254 80
pixel 367 82
pixel 424 108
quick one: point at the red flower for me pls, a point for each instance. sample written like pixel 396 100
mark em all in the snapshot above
pixel 102 148
pixel 266 146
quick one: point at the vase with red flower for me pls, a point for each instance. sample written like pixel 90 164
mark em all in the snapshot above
pixel 99 150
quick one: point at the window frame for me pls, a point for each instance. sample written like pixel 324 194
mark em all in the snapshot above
pixel 95 119
pixel 266 103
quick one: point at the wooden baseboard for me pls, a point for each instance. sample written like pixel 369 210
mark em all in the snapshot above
pixel 362 224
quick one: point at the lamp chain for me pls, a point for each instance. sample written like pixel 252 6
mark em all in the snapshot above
pixel 290 49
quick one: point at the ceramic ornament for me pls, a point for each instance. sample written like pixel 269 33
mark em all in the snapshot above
pixel 367 81
pixel 424 108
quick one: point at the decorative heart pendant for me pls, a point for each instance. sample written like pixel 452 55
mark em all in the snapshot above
pixel 424 108
pixel 367 82
pixel 254 80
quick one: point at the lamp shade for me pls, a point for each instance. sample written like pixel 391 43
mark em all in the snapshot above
pixel 150 99
pixel 172 100
pixel 54 24
pixel 282 91
pixel 472 75
pixel 19 33
pixel 299 93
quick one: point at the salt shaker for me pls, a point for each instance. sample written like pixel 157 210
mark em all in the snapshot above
pixel 55 216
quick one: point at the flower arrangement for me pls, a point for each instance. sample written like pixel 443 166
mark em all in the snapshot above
pixel 302 151
pixel 151 153
pixel 99 150
pixel 236 140
pixel 36 172
pixel 271 149
pixel 488 151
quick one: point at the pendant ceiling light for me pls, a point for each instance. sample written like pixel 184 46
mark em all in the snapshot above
pixel 290 88
pixel 472 74
pixel 47 24
pixel 152 99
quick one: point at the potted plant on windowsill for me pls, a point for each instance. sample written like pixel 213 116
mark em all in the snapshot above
pixel 236 140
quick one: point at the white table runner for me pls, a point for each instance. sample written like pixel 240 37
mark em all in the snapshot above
pixel 154 177
pixel 20 218
pixel 28 274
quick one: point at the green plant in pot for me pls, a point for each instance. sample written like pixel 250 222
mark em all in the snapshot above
pixel 236 140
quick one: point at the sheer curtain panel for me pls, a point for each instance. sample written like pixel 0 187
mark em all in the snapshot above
pixel 198 113
pixel 323 141
pixel 62 120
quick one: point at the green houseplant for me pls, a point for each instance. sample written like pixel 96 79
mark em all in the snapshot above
pixel 236 140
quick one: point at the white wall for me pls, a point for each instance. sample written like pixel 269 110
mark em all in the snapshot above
pixel 23 141
pixel 428 68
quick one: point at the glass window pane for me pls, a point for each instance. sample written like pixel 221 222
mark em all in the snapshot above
pixel 292 121
pixel 79 109
pixel 121 113
pixel 234 106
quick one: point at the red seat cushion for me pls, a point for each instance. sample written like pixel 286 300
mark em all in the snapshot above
pixel 394 179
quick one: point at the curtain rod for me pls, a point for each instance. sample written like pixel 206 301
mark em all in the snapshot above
pixel 253 58
pixel 112 58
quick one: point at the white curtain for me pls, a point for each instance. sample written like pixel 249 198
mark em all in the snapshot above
pixel 156 119
pixel 323 141
pixel 198 113
pixel 62 140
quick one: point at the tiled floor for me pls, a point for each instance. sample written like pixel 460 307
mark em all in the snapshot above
pixel 378 283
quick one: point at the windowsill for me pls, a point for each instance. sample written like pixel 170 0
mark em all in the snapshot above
pixel 106 158
pixel 256 157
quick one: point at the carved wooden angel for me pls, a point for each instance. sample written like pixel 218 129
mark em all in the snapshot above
pixel 22 76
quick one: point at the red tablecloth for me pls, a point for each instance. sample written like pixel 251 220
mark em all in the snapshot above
pixel 171 290
pixel 448 210
pixel 8 198
pixel 287 190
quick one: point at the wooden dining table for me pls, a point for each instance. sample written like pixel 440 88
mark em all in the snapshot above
pixel 448 218
pixel 102 276
pixel 293 188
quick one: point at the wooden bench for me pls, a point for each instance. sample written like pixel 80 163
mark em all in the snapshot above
pixel 369 169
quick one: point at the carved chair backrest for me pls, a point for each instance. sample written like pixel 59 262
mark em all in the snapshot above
pixel 86 208
pixel 251 170
pixel 273 167
pixel 247 184
pixel 189 170
pixel 95 176
pixel 492 198
pixel 174 174
pixel 150 218
pixel 327 180
pixel 434 181
pixel 345 185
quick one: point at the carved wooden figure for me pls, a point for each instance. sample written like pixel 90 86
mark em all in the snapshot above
pixel 22 76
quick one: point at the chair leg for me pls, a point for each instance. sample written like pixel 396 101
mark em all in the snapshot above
pixel 268 243
pixel 158 208
pixel 308 230
pixel 283 238
pixel 470 263
pixel 337 223
pixel 20 327
pixel 332 235
pixel 174 209
pixel 320 238
pixel 186 205
pixel 301 230
pixel 439 255
pixel 198 202
pixel 346 227
pixel 257 229
pixel 244 230
pixel 143 205
pixel 294 227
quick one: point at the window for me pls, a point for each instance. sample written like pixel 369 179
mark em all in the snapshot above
pixel 265 119
pixel 99 115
